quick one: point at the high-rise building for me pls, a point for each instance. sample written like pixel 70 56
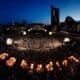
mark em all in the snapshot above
pixel 55 18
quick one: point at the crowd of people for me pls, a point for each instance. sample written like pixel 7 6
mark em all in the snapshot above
pixel 14 67
pixel 37 43
pixel 33 57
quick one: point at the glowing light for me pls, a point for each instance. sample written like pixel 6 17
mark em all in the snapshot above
pixel 3 56
pixel 65 62
pixel 32 66
pixel 51 63
pixel 50 33
pixel 66 39
pixel 39 67
pixel 71 57
pixel 45 30
pixel 57 64
pixel 29 30
pixel 24 32
pixel 10 62
pixel 13 59
pixel 9 41
pixel 49 67
pixel 74 58
pixel 23 64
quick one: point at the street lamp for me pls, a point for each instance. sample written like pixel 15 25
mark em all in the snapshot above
pixel 50 33
pixel 24 33
pixel 9 41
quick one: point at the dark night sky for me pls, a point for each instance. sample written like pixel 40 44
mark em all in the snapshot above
pixel 37 10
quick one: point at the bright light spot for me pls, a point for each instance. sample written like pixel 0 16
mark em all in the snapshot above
pixel 24 32
pixel 39 67
pixel 66 39
pixel 9 41
pixel 49 67
pixel 74 58
pixel 45 30
pixel 13 59
pixel 57 64
pixel 51 63
pixel 50 33
pixel 65 62
pixel 31 66
pixel 23 64
pixel 10 62
pixel 29 30
pixel 3 56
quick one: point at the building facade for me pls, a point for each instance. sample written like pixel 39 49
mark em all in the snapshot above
pixel 55 18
